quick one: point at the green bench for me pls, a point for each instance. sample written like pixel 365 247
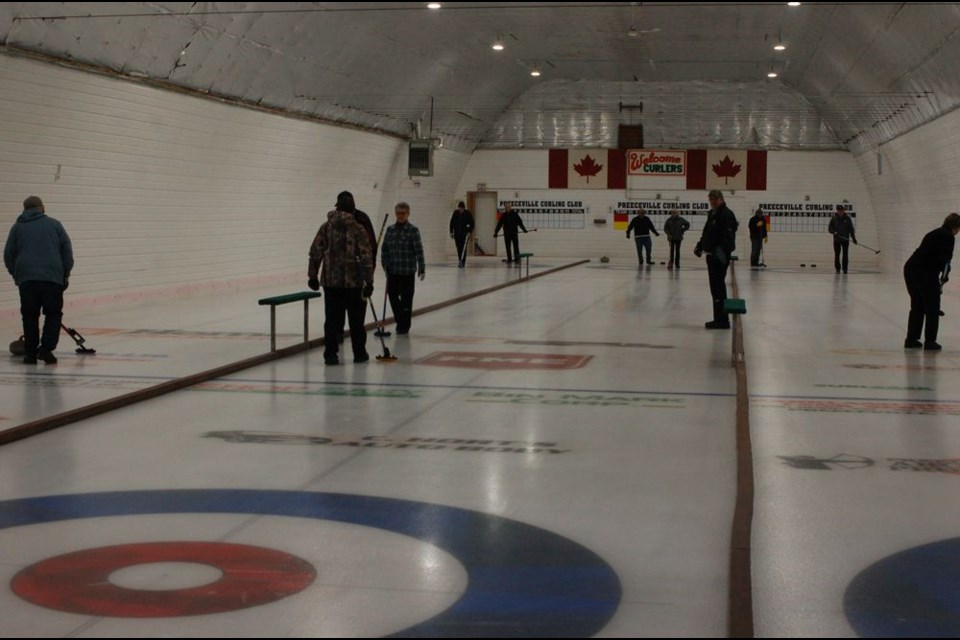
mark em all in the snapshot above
pixel 527 257
pixel 306 296
pixel 735 305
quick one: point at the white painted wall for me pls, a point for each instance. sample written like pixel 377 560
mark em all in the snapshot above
pixel 169 195
pixel 919 186
pixel 823 176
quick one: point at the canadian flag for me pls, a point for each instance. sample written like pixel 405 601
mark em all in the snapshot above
pixel 727 169
pixel 588 169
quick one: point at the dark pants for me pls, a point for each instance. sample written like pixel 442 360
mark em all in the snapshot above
pixel 461 242
pixel 513 240
pixel 338 302
pixel 838 246
pixel 643 242
pixel 400 289
pixel 924 290
pixel 756 248
pixel 34 298
pixel 717 272
pixel 675 252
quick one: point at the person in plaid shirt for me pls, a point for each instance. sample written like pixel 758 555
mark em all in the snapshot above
pixel 402 258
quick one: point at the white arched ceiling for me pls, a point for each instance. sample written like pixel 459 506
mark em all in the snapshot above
pixel 852 76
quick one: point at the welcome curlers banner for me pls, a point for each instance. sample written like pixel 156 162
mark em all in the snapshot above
pixel 727 169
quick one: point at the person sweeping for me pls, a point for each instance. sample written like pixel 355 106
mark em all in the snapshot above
pixel 925 272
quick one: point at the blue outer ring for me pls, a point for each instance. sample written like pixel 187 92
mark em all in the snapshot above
pixel 911 594
pixel 523 581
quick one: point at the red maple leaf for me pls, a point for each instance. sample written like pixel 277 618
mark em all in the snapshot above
pixel 588 167
pixel 726 169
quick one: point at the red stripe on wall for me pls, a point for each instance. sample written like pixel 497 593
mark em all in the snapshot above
pixel 696 169
pixel 558 169
pixel 756 170
pixel 616 169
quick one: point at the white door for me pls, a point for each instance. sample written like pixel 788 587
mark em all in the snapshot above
pixel 485 217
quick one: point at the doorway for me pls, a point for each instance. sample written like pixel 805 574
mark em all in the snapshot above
pixel 485 217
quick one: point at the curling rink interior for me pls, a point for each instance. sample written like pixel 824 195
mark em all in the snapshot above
pixel 553 458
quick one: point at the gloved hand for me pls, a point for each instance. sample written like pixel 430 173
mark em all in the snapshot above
pixel 422 276
pixel 66 283
pixel 698 250
pixel 368 290
pixel 494 235
pixel 314 284
pixel 855 241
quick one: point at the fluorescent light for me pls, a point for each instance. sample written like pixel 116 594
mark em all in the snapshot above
pixel 772 74
pixel 779 47
pixel 535 72
pixel 498 45
pixel 793 4
pixel 434 5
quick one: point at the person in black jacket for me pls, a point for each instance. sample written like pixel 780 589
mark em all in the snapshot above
pixel 925 272
pixel 841 226
pixel 461 224
pixel 510 221
pixel 718 241
pixel 641 227
pixel 758 235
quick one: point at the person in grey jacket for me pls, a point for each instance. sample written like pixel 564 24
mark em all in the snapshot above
pixel 675 227
pixel 39 256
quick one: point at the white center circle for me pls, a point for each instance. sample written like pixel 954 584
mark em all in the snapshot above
pixel 165 576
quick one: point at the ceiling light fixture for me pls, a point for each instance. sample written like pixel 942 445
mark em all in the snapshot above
pixel 779 47
pixel 633 33
pixel 434 5
pixel 793 4
pixel 772 74
pixel 498 44
pixel 535 72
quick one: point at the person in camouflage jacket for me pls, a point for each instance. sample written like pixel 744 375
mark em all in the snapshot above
pixel 342 250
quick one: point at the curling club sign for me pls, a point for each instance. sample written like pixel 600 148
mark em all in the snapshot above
pixel 656 162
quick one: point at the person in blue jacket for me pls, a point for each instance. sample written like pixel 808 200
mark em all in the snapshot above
pixel 39 256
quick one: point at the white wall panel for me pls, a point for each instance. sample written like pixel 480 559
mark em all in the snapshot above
pixel 791 177
pixel 172 194
pixel 918 186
